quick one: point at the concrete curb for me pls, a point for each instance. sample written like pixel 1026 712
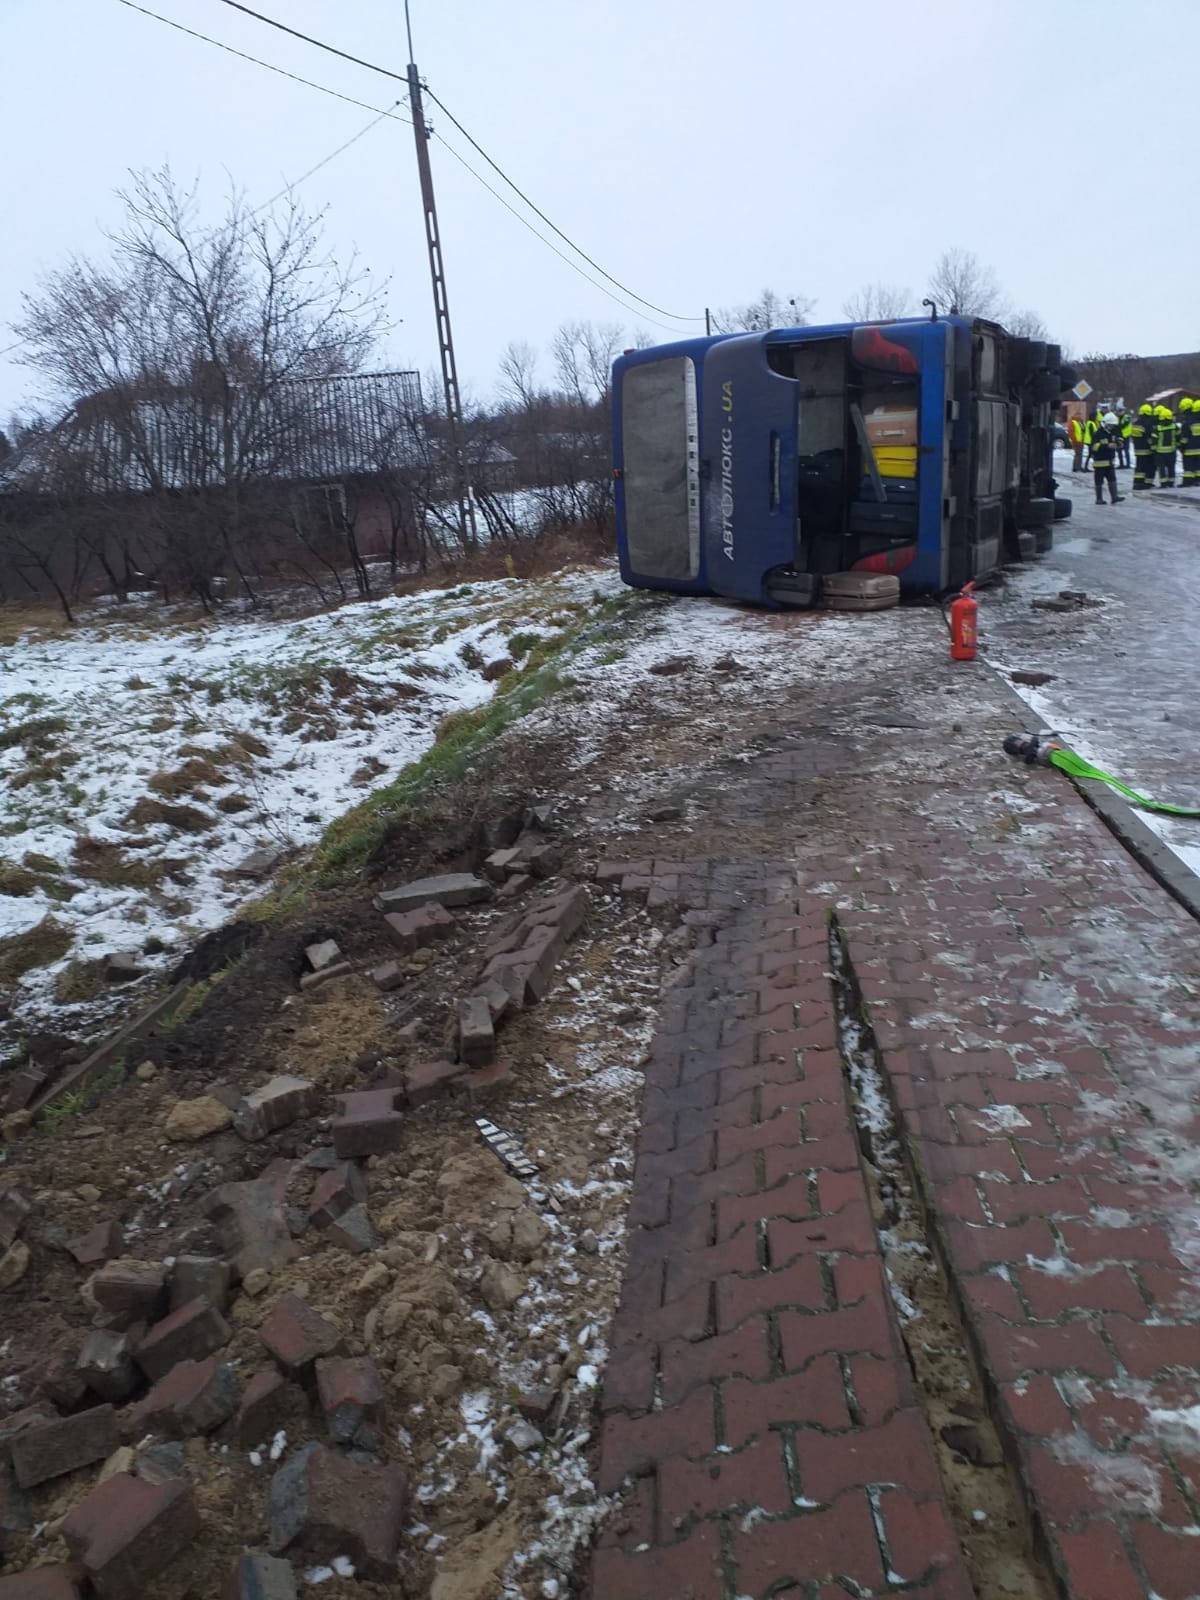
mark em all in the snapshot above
pixel 1123 821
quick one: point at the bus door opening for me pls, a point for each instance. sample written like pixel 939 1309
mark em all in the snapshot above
pixel 883 400
pixel 820 368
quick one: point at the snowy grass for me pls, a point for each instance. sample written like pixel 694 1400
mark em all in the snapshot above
pixel 140 766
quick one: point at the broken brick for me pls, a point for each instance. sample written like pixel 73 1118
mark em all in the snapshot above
pixel 501 864
pixel 13 1424
pixel 499 1001
pixel 296 1335
pixel 273 1106
pixel 127 1531
pixel 516 886
pixel 353 1231
pixel 189 1334
pixel 106 1365
pixel 543 860
pixel 42 1583
pixel 369 1124
pixel 350 1393
pixel 268 1402
pixel 98 1244
pixel 314 980
pixel 483 1079
pixel 129 1291
pixel 194 1397
pixel 200 1278
pixel 50 1449
pixel 417 930
pixel 257 1576
pixel 476 1036
pixel 536 1404
pixel 251 1220
pixel 387 977
pixel 336 1191
pixel 451 889
pixel 326 1505
pixel 426 1080
pixel 322 954
pixel 565 910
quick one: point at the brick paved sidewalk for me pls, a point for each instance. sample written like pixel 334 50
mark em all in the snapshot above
pixel 1035 999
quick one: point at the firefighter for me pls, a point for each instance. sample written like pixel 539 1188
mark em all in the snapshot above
pixel 1075 440
pixel 1090 429
pixel 1125 420
pixel 1105 443
pixel 1143 447
pixel 1165 438
pixel 1189 441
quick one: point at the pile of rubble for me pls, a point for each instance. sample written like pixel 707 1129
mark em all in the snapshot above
pixel 221 1345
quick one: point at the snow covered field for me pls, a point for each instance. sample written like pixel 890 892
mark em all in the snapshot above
pixel 142 763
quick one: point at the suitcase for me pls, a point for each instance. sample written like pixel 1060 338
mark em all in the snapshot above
pixel 896 491
pixel 861 591
pixel 892 425
pixel 797 590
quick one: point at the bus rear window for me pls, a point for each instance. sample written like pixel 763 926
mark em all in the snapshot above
pixel 661 468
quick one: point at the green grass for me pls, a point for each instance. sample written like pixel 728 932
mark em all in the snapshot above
pixel 40 946
pixel 34 732
pixel 462 738
pixel 86 1098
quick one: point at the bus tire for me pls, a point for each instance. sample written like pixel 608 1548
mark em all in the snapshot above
pixel 1035 513
pixel 1063 507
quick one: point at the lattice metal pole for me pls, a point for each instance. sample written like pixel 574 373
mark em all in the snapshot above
pixel 441 306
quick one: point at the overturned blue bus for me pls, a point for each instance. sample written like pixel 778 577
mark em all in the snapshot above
pixel 752 464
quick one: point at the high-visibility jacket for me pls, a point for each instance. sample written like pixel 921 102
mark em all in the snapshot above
pixel 1165 434
pixel 1090 429
pixel 1141 431
pixel 1126 425
pixel 1075 431
pixel 1104 447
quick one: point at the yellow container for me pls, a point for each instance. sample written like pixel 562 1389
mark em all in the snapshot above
pixel 896 461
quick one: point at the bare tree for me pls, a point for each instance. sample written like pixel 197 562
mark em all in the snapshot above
pixel 770 310
pixel 518 374
pixel 877 302
pixel 1026 324
pixel 961 283
pixel 186 358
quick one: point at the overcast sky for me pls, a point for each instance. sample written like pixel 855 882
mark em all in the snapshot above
pixel 699 150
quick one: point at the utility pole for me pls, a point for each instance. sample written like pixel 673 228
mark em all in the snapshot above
pixel 441 306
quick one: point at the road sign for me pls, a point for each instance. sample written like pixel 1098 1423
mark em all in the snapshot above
pixel 1082 389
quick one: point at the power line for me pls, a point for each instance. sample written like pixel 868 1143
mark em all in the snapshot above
pixel 358 61
pixel 677 316
pixel 241 54
pixel 525 223
pixel 305 176
pixel 371 66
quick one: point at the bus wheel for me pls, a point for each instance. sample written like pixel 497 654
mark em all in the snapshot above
pixel 1036 513
pixel 1063 506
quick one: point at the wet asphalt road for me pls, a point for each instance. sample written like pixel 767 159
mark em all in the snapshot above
pixel 1125 691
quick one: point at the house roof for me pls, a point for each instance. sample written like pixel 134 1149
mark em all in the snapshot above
pixel 302 430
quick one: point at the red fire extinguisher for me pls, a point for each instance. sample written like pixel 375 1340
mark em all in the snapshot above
pixel 963 625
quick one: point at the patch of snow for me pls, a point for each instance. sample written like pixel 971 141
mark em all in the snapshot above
pixel 1178 1427
pixel 1001 1118
pixel 1119 1481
